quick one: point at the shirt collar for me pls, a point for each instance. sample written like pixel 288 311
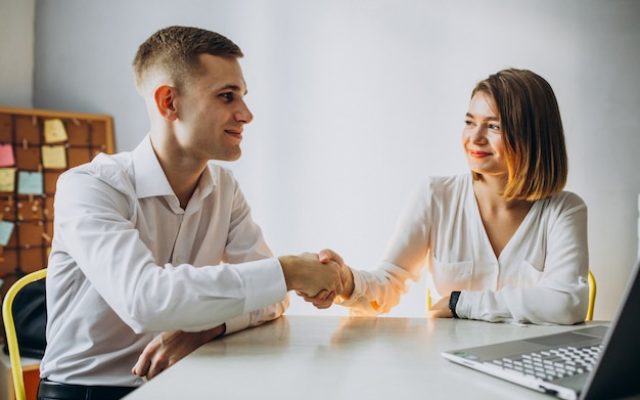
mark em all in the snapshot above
pixel 204 188
pixel 150 178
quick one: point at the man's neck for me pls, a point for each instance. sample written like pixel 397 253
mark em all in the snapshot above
pixel 182 170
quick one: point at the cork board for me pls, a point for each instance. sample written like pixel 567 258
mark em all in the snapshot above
pixel 36 146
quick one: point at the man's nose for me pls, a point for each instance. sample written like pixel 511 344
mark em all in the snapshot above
pixel 243 114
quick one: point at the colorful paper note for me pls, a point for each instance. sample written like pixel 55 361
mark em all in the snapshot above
pixel 54 157
pixel 6 155
pixel 29 182
pixel 6 229
pixel 7 179
pixel 54 131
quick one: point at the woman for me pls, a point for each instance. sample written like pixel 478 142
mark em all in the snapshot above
pixel 504 242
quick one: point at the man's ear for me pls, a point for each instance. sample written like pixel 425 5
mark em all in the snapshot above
pixel 165 99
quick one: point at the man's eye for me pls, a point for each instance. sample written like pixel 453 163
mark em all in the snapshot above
pixel 468 122
pixel 227 97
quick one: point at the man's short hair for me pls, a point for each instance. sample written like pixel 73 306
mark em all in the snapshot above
pixel 533 135
pixel 175 50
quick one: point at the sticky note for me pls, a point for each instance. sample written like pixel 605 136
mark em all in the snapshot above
pixel 54 157
pixel 29 182
pixel 6 229
pixel 6 155
pixel 54 131
pixel 7 179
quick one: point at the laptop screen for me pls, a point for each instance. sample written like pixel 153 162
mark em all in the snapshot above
pixel 617 372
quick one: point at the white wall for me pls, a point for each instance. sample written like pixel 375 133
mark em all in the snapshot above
pixel 355 102
pixel 16 52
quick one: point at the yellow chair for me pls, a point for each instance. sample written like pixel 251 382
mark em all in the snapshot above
pixel 10 330
pixel 592 296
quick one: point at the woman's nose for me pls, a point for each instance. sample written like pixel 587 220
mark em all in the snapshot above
pixel 477 134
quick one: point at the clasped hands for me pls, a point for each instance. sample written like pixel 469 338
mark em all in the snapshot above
pixel 323 277
pixel 344 287
pixel 341 284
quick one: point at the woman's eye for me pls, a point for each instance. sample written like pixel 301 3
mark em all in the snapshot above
pixel 494 127
pixel 468 122
pixel 227 97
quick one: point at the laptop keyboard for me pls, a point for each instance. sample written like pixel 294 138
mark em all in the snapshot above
pixel 553 364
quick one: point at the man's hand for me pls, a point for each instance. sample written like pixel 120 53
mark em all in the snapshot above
pixel 324 299
pixel 441 309
pixel 168 348
pixel 305 273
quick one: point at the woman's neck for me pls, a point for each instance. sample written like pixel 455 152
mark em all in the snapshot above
pixel 488 190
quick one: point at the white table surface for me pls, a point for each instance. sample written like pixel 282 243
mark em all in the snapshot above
pixel 311 357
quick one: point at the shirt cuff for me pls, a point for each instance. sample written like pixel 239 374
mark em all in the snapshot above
pixel 465 303
pixel 264 283
pixel 237 323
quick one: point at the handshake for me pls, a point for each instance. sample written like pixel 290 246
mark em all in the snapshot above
pixel 318 278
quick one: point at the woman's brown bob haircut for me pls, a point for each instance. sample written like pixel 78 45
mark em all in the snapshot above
pixel 534 139
pixel 175 49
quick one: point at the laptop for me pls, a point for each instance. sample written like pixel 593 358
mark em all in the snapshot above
pixel 592 362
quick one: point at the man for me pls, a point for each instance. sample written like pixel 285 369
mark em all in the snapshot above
pixel 139 236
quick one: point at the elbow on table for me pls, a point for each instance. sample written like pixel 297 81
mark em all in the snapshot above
pixel 567 309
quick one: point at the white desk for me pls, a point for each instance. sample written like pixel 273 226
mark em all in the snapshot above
pixel 301 358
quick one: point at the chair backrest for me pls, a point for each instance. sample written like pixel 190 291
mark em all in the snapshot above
pixel 10 329
pixel 592 297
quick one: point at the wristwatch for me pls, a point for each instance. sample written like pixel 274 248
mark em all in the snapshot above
pixel 453 302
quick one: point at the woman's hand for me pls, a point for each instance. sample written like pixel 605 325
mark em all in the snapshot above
pixel 441 309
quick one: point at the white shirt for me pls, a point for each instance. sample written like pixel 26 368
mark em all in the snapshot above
pixel 539 277
pixel 127 262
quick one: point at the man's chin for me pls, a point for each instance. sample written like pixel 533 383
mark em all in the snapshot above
pixel 231 155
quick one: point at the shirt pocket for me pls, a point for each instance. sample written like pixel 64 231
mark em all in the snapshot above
pixel 451 276
pixel 528 275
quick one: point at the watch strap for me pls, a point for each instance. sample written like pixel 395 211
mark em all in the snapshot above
pixel 453 302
